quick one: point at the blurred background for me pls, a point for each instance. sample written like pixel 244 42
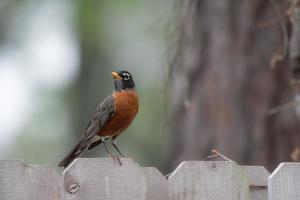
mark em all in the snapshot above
pixel 210 74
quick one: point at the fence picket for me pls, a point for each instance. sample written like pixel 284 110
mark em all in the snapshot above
pixel 19 181
pixel 258 182
pixel 104 179
pixel 157 182
pixel 284 182
pixel 210 180
pixel 89 178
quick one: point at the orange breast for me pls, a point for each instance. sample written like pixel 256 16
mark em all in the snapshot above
pixel 126 108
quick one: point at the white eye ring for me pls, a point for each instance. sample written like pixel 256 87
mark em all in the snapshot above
pixel 126 76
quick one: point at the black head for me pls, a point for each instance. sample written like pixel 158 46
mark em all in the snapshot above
pixel 123 80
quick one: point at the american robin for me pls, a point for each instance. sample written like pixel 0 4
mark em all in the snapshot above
pixel 112 117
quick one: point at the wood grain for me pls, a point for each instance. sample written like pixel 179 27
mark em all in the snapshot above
pixel 19 181
pixel 213 180
pixel 284 182
pixel 258 182
pixel 105 179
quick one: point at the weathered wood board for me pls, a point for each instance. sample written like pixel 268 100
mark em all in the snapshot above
pixel 19 181
pixel 284 182
pixel 104 179
pixel 258 182
pixel 210 180
pixel 91 179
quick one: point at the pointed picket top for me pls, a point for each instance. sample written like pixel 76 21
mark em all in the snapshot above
pixel 93 178
pixel 257 175
pixel 210 180
pixel 284 182
pixel 102 178
pixel 29 182
pixel 157 182
pixel 258 182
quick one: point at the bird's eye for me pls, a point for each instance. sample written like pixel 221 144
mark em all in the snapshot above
pixel 126 76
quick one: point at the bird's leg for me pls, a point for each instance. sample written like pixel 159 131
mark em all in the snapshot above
pixel 104 143
pixel 113 142
pixel 115 158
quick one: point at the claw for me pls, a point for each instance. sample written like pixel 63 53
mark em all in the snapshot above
pixel 123 156
pixel 115 158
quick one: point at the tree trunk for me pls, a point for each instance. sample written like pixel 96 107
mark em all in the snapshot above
pixel 223 85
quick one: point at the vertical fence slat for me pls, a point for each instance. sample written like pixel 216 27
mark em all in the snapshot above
pixel 258 182
pixel 90 179
pixel 157 182
pixel 284 182
pixel 210 180
pixel 100 179
pixel 19 181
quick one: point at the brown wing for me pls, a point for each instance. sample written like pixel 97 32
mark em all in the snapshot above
pixel 100 117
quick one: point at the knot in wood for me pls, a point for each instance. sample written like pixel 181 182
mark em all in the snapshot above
pixel 73 188
pixel 213 165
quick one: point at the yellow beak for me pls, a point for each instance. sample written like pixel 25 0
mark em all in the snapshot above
pixel 115 75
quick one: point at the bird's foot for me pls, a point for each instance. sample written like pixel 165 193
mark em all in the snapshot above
pixel 123 156
pixel 115 158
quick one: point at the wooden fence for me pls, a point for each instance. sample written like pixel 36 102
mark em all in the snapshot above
pixel 97 179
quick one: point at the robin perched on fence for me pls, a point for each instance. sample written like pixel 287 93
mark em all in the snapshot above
pixel 112 117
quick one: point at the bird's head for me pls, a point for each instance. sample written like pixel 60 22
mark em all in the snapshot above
pixel 123 80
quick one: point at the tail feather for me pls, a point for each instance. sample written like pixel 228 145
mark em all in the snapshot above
pixel 73 154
